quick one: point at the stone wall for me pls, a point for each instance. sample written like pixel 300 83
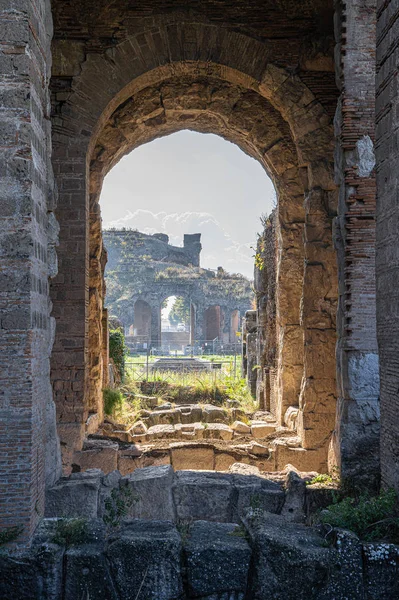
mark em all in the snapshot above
pixel 29 452
pixel 387 259
pixel 143 268
pixel 357 433
pixel 265 293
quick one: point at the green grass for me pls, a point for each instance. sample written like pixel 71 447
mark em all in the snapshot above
pixel 214 387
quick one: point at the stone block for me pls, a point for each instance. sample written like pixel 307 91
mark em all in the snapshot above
pixel 217 560
pixel 35 574
pixel 224 460
pixel 92 424
pixel 144 559
pixel 259 450
pixel 138 428
pixel 195 430
pixel 218 431
pixel 301 459
pixel 213 414
pixel 87 574
pixel 76 496
pixel 241 428
pixel 285 553
pixel 199 457
pixel 255 493
pixel 163 432
pixel 381 570
pixel 203 496
pixel 98 454
pixel 190 414
pixel 295 495
pixel 261 430
pixel 151 491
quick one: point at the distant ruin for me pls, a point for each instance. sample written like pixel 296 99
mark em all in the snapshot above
pixel 144 270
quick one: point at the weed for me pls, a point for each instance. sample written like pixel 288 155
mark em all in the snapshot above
pixel 117 505
pixel 239 531
pixel 10 534
pixel 371 518
pixel 183 529
pixel 70 532
pixel 113 401
pixel 321 478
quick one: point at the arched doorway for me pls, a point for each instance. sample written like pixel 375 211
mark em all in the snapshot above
pixel 265 118
pixel 176 324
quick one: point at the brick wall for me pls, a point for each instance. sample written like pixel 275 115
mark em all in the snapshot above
pixel 357 434
pixel 387 249
pixel 27 236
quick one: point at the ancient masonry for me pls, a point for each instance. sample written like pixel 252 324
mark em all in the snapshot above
pixel 309 89
pixel 144 270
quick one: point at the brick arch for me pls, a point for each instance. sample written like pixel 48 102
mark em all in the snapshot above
pixel 299 159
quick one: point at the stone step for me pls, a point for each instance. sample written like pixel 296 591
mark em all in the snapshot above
pixel 191 453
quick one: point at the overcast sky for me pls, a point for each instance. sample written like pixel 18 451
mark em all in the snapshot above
pixel 192 183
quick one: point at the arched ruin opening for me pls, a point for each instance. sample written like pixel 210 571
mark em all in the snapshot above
pixel 176 325
pixel 267 82
pixel 273 116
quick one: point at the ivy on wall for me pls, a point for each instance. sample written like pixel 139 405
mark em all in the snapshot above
pixel 117 349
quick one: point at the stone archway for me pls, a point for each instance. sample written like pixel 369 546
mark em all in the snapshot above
pixel 270 114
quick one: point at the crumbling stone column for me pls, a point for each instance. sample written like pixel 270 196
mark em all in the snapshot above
pixel 356 439
pixel 250 349
pixel 29 450
pixel 70 296
pixel 317 405
pixel 155 325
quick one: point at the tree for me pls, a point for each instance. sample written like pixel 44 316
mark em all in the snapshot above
pixel 180 312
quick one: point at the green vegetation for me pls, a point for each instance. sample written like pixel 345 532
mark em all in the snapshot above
pixel 70 532
pixel 118 349
pixel 10 534
pixel 370 517
pixel 117 505
pixel 216 386
pixel 113 401
pixel 322 478
pixel 180 312
pixel 239 531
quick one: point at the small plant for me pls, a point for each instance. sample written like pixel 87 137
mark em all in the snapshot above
pixel 184 529
pixel 117 505
pixel 239 531
pixel 70 532
pixel 10 534
pixel 118 349
pixel 371 518
pixel 113 401
pixel 321 478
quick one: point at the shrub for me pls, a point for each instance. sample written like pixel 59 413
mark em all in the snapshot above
pixel 113 401
pixel 371 518
pixel 118 349
pixel 70 532
pixel 10 534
